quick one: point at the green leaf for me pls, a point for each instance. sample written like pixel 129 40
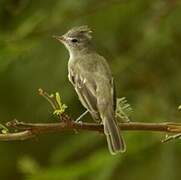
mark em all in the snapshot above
pixel 179 108
pixel 62 107
pixel 58 99
pixel 4 129
pixel 123 109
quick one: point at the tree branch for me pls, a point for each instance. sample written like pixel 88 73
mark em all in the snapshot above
pixel 23 131
pixel 31 130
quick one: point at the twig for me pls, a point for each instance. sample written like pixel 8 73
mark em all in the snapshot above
pixel 17 136
pixel 171 137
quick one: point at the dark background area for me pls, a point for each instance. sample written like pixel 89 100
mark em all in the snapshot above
pixel 142 43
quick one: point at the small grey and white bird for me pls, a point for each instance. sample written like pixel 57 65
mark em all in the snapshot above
pixel 91 77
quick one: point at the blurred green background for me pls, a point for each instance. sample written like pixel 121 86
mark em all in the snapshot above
pixel 142 42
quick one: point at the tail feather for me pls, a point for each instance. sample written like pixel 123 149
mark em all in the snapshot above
pixel 115 141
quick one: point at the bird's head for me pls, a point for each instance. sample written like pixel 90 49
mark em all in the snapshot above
pixel 76 39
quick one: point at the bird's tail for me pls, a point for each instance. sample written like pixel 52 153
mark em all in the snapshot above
pixel 114 139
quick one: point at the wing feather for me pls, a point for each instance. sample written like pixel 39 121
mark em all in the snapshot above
pixel 86 90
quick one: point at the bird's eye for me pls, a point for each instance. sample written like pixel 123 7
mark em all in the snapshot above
pixel 74 40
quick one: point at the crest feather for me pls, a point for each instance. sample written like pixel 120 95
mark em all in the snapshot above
pixel 80 30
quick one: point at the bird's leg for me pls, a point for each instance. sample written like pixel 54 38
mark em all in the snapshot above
pixel 81 116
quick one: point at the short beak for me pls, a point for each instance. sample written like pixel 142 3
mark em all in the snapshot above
pixel 59 38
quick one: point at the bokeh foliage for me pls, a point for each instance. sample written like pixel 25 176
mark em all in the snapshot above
pixel 141 40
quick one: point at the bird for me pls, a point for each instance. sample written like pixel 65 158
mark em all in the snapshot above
pixel 91 77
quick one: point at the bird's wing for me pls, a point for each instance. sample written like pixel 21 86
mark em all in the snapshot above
pixel 85 87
